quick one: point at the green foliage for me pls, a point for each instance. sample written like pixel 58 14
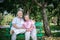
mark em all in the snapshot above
pixel 31 6
pixel 8 18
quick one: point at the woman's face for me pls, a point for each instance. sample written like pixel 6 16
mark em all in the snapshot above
pixel 26 17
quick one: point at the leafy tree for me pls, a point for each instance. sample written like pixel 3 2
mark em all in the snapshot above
pixel 38 9
pixel 44 4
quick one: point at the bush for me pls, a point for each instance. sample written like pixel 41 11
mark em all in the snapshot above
pixel 6 19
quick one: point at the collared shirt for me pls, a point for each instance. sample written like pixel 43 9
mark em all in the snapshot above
pixel 28 24
pixel 18 21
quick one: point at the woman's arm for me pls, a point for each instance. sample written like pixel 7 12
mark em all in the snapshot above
pixel 31 28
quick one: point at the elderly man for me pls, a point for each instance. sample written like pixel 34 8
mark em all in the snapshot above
pixel 17 24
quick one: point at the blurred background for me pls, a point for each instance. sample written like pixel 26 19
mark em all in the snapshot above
pixel 46 14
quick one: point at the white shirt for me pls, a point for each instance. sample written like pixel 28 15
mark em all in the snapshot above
pixel 18 21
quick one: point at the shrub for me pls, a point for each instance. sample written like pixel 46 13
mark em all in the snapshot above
pixel 6 19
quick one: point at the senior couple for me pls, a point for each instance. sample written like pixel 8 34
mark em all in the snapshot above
pixel 19 25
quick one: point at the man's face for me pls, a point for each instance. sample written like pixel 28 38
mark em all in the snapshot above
pixel 20 14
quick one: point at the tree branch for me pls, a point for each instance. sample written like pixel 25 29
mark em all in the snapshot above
pixel 39 4
pixel 29 10
pixel 45 4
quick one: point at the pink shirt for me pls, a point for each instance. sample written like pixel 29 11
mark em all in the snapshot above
pixel 28 24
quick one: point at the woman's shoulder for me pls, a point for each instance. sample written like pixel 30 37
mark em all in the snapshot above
pixel 32 21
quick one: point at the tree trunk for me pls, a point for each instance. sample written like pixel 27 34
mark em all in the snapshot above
pixel 45 23
pixel 58 20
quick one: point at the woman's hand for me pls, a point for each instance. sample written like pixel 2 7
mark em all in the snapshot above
pixel 28 30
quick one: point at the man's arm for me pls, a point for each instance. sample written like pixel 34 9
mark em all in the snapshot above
pixel 14 25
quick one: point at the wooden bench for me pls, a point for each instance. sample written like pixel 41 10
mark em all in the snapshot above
pixel 37 24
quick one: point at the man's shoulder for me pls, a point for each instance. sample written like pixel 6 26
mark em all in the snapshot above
pixel 14 18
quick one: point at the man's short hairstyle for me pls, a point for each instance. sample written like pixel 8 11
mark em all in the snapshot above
pixel 19 9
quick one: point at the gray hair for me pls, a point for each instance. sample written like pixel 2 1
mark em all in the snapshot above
pixel 20 9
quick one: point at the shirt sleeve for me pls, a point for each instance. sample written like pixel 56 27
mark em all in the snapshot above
pixel 33 23
pixel 14 21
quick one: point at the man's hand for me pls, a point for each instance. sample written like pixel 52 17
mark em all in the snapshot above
pixel 22 28
pixel 11 32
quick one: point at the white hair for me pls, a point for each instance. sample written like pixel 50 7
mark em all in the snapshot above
pixel 20 9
